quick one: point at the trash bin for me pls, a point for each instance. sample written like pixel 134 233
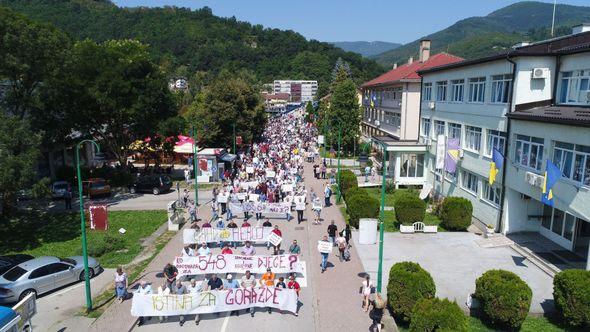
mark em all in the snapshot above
pixel 367 231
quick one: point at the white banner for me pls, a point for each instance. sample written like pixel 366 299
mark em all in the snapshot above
pixel 321 139
pixel 222 264
pixel 440 151
pixel 270 174
pixel 249 169
pixel 241 234
pixel 146 305
pixel 249 184
pixel 299 203
pixel 287 188
pixel 325 247
pixel 260 207
pixel 221 198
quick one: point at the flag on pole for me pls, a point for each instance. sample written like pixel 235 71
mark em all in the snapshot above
pixel 452 155
pixel 495 165
pixel 552 175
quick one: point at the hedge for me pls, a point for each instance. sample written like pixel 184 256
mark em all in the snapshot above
pixel 504 297
pixel 408 283
pixel 356 191
pixel 361 206
pixel 571 293
pixel 409 209
pixel 347 181
pixel 431 315
pixel 456 213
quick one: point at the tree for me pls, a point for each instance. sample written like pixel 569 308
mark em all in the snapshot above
pixel 118 94
pixel 344 112
pixel 310 112
pixel 340 72
pixel 19 151
pixel 224 102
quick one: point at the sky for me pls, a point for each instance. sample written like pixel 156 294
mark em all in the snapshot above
pixel 348 20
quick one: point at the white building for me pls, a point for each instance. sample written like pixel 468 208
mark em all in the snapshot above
pixel 532 104
pixel 299 90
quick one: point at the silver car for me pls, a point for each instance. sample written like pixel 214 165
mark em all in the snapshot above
pixel 43 274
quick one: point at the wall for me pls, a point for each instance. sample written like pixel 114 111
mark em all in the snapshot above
pixel 529 90
pixel 410 112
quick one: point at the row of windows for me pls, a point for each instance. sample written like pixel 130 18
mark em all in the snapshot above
pixel 575 87
pixel 476 90
pixel 472 138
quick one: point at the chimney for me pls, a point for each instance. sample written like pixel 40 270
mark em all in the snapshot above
pixel 424 50
pixel 395 65
pixel 410 60
pixel 584 27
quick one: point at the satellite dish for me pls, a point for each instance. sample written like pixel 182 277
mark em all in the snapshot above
pixel 425 191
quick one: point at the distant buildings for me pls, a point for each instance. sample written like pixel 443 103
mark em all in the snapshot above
pixel 299 91
pixel 179 84
pixel 275 102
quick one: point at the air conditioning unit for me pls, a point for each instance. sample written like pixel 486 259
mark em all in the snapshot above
pixel 432 105
pixel 540 73
pixel 533 179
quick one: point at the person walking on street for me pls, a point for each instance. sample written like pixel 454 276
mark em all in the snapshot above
pixel 294 249
pixel 268 280
pixel 164 290
pixel 68 198
pixel 346 233
pixel 195 288
pixel 231 283
pixel 367 173
pixel 187 251
pixel 220 225
pixel 341 244
pixel 143 288
pixel 323 170
pixel 376 314
pixel 248 281
pixel 231 225
pixel 267 223
pixel 170 273
pixel 248 249
pixel 324 256
pixel 366 289
pixel 121 284
pixel 327 194
pixel 332 230
pixel 180 290
pixel 293 284
pixel 277 248
pixel 192 211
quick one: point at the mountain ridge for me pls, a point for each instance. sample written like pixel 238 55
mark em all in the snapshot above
pixel 366 48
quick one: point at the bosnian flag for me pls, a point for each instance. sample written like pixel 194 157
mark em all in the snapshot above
pixel 452 155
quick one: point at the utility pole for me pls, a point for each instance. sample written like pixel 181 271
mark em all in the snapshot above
pixel 338 172
pixel 553 19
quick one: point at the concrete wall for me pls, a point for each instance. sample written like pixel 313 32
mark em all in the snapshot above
pixel 410 125
pixel 529 90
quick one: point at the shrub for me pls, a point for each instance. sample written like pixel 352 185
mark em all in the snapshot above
pixel 504 297
pixel 100 245
pixel 408 283
pixel 356 191
pixel 409 209
pixel 571 292
pixel 456 213
pixel 361 206
pixel 347 181
pixel 438 315
pixel 390 186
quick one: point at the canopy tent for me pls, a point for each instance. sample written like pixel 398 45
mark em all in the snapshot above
pixel 187 147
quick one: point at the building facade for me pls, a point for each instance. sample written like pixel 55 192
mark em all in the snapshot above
pixel 391 108
pixel 532 104
pixel 299 90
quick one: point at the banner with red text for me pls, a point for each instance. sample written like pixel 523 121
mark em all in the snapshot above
pixel 222 264
pixel 146 305
pixel 241 234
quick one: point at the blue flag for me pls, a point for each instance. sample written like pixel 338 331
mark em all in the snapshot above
pixel 496 165
pixel 552 175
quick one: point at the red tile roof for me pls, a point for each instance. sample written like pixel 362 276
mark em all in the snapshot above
pixel 409 71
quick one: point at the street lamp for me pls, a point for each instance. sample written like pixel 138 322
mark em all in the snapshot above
pixel 381 215
pixel 338 171
pixel 83 223
pixel 195 134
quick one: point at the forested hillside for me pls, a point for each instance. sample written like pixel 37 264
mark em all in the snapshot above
pixel 479 36
pixel 198 40
pixel 366 48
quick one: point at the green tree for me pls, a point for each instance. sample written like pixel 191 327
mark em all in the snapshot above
pixel 225 102
pixel 310 112
pixel 19 151
pixel 118 94
pixel 344 112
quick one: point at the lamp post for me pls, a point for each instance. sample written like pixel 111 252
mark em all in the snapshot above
pixel 195 133
pixel 381 216
pixel 83 223
pixel 338 198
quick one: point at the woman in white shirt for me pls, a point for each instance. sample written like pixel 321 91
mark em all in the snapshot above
pixel 366 291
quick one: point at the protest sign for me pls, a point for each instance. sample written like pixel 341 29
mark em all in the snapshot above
pixel 241 234
pixel 241 197
pixel 253 197
pixel 249 169
pixel 222 198
pixel 287 188
pixel 270 174
pixel 249 184
pixel 299 203
pixel 146 305
pixel 222 264
pixel 260 207
pixel 325 247
pixel 274 239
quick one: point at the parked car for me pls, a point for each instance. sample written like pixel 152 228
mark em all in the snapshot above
pixel 96 187
pixel 155 184
pixel 9 261
pixel 59 189
pixel 43 274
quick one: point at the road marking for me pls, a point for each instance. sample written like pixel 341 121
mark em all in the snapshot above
pixel 225 322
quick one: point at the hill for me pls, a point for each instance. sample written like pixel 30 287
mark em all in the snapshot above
pixel 480 36
pixel 366 48
pixel 199 40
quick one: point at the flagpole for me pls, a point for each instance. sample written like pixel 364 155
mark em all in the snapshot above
pixel 553 19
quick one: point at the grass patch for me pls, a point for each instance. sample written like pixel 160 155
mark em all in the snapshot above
pixel 58 234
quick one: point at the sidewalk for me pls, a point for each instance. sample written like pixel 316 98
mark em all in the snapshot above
pixel 336 299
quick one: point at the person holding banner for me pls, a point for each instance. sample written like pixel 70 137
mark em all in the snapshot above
pixel 231 225
pixel 220 225
pixel 248 249
pixel 164 290
pixel 268 280
pixel 170 273
pixel 204 250
pixel 267 223
pixel 325 254
pixel 226 250
pixel 293 284
pixel 180 290
pixel 143 288
pixel 277 247
pixel 248 281
pixel 231 283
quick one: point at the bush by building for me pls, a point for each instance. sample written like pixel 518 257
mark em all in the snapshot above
pixel 504 297
pixel 571 293
pixel 347 181
pixel 436 314
pixel 356 191
pixel 409 209
pixel 361 206
pixel 456 213
pixel 408 283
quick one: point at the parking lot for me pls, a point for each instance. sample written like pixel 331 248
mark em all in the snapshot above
pixel 455 261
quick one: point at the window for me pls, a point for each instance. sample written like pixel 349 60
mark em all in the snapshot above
pixel 425 129
pixel 412 165
pixel 57 267
pixel 439 128
pixel 396 94
pixel 452 177
pixel 501 88
pixel 472 138
pixel 469 182
pixel 495 140
pixel 491 194
pixel 14 274
pixel 39 272
pixel 529 151
pixel 457 90
pixel 427 91
pixel 557 225
pixel 574 161
pixel 393 119
pixel 575 87
pixel 477 88
pixel 441 91
pixel 455 131
pixel 559 222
